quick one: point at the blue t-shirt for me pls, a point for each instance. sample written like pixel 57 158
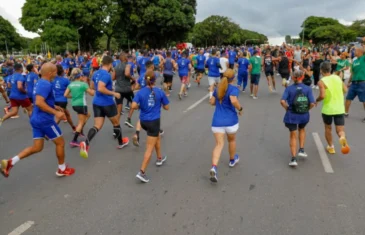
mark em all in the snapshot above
pixel 213 64
pixel 80 60
pixel 232 57
pixel 225 114
pixel 101 99
pixel 183 65
pixel 66 63
pixel 15 93
pixel 289 96
pixel 132 67
pixel 85 67
pixel 200 59
pixel 59 86
pixel 156 60
pixel 31 80
pixel 40 118
pixel 142 64
pixel 150 103
pixel 7 80
pixel 243 64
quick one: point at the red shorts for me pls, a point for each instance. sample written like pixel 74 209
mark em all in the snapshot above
pixel 24 103
pixel 184 79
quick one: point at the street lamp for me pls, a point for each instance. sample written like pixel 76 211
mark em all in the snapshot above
pixel 250 40
pixel 78 37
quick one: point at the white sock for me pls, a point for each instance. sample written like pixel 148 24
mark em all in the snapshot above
pixel 14 160
pixel 62 167
pixel 210 94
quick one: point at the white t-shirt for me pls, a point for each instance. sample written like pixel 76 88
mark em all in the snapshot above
pixel 223 61
pixel 207 55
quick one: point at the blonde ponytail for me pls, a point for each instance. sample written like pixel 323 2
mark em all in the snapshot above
pixel 223 85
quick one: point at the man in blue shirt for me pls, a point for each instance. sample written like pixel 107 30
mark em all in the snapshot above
pixel 200 66
pixel 32 78
pixel 294 120
pixel 213 64
pixel 231 58
pixel 43 125
pixel 104 106
pixel 184 66
pixel 18 95
pixel 242 64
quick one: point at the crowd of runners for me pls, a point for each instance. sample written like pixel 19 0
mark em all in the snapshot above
pixel 43 88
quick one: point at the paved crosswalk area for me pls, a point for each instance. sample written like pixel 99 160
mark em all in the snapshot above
pixel 261 196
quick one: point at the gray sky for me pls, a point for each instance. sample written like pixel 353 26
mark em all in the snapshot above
pixel 274 18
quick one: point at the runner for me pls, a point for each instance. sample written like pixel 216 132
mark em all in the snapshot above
pixel 184 66
pixel 225 121
pixel 149 100
pixel 213 65
pixel 232 57
pixel 200 67
pixel 268 65
pixel 255 70
pixel 32 78
pixel 342 65
pixel 43 124
pixel 18 96
pixel 297 100
pixel 317 61
pixel 284 69
pixel 331 91
pixel 223 60
pixel 168 68
pixel 77 92
pixel 104 106
pixel 242 64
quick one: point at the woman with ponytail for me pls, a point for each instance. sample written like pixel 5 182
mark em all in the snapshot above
pixel 149 100
pixel 77 92
pixel 225 120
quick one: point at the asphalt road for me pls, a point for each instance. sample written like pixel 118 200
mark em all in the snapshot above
pixel 261 195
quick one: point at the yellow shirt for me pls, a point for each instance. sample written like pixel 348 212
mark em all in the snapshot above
pixel 334 101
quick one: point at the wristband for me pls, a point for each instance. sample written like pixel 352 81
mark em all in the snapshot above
pixel 239 110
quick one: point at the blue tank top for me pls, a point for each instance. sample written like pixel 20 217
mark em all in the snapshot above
pixel 168 67
pixel 156 61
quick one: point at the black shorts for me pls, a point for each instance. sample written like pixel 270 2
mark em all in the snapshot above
pixel 167 78
pixel 269 73
pixel 338 119
pixel 151 127
pixel 231 66
pixel 127 95
pixel 105 111
pixel 294 127
pixel 80 109
pixel 61 104
pixel 202 71
pixel 285 75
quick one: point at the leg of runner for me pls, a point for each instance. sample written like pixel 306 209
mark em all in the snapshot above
pixel 302 135
pixel 219 139
pixel 268 78
pixel 84 146
pixel 245 81
pixel 251 87
pixel 128 122
pixel 118 132
pixel 240 81
pixel 328 135
pixel 69 119
pixel 273 82
pixel 233 157
pixel 82 121
pixel 183 86
pixel 136 135
pixel 12 113
pixel 293 147
pixel 150 145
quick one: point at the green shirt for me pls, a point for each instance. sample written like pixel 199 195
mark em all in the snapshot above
pixel 341 64
pixel 78 93
pixel 256 64
pixel 334 102
pixel 195 62
pixel 358 69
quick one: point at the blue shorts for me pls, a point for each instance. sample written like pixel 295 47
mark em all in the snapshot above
pixel 255 79
pixel 356 89
pixel 52 131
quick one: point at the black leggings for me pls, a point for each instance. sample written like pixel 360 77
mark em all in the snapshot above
pixel 316 74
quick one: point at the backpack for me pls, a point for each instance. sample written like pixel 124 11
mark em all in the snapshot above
pixel 301 102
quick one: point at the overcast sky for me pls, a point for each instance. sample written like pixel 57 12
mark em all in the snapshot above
pixel 274 18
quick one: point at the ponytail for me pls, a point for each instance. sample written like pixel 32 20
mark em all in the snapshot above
pixel 222 89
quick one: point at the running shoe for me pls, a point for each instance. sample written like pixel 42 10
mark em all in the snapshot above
pixel 128 123
pixel 185 94
pixel 251 95
pixel 274 90
pixel 293 162
pixel 347 115
pixel 74 144
pixel 180 96
pixel 234 161
pixel 142 177
pixel 331 149
pixel 344 146
pixel 65 121
pixel 125 143
pixel 162 132
pixel 127 108
pixel 159 162
pixel 122 113
pixel 255 97
pixel 67 172
pixel 1 121
pixel 189 85
pixel 283 82
pixel 6 166
pixel 302 153
pixel 213 174
pixel 84 150
pixel 136 141
pixel 15 117
pixel 243 91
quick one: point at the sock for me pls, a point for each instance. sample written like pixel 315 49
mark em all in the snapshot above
pixel 215 166
pixel 210 94
pixel 14 160
pixel 62 167
pixel 142 172
pixel 91 135
pixel 76 136
pixel 118 134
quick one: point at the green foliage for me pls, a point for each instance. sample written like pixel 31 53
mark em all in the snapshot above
pixel 313 22
pixel 9 34
pixel 359 27
pixel 332 33
pixel 218 30
pixel 288 39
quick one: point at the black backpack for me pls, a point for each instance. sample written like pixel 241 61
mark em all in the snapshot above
pixel 301 102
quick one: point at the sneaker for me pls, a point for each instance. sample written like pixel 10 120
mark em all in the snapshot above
pixel 213 174
pixel 127 108
pixel 65 121
pixel 15 117
pixel 185 94
pixel 84 150
pixel 162 132
pixel 251 95
pixel 128 123
pixel 189 85
pixel 346 115
pixel 293 162
pixel 243 91
pixel 235 160
pixel 180 96
pixel 274 90
pixel 142 177
pixel 125 143
pixel 122 113
pixel 135 141
pixel 301 153
pixel 67 172
pixel 255 97
pixel 344 145
pixel 159 162
pixel 283 82
pixel 6 166
pixel 331 149
pixel 74 144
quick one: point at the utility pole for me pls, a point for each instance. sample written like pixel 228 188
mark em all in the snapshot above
pixel 78 37
pixel 6 45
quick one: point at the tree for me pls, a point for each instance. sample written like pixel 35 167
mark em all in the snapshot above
pixel 314 22
pixel 359 27
pixel 288 39
pixel 9 35
pixel 332 34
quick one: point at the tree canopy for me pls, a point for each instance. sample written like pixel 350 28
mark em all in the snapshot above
pixel 9 35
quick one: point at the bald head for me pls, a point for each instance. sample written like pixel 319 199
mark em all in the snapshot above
pixel 48 71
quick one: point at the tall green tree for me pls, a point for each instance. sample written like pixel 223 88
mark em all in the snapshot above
pixel 313 22
pixel 9 36
pixel 359 27
pixel 288 39
pixel 332 34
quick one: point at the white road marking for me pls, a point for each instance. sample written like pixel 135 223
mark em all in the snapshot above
pixel 196 103
pixel 322 153
pixel 22 228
